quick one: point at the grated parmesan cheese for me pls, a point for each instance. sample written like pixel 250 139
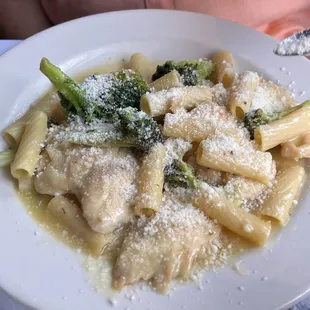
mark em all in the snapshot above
pixel 175 219
pixel 166 239
pixel 249 193
pixel 98 87
pixel 240 151
pixel 271 98
pixel 199 123
pixel 175 149
pixel 244 84
pixel 219 94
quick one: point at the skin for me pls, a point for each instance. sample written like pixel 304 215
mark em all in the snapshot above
pixel 20 19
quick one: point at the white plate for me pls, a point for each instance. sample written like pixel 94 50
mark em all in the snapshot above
pixel 41 272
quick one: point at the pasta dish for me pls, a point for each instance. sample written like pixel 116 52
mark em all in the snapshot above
pixel 163 170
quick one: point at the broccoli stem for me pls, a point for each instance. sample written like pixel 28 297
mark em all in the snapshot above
pixel 258 118
pixel 101 139
pixel 102 143
pixel 69 89
pixel 276 116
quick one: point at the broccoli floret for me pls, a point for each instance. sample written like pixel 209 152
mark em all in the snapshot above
pixel 140 127
pixel 119 89
pixel 181 174
pixel 99 95
pixel 132 128
pixel 258 117
pixel 162 70
pixel 111 103
pixel 255 119
pixel 193 72
pixel 73 97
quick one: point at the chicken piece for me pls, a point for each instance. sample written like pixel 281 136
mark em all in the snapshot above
pixel 297 148
pixel 102 179
pixel 106 194
pixel 64 172
pixel 165 246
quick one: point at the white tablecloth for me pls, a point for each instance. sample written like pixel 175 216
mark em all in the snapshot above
pixel 7 303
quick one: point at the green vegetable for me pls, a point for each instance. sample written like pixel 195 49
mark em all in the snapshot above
pixel 100 138
pixel 193 72
pixel 116 102
pixel 133 128
pixel 115 90
pixel 120 89
pixel 140 127
pixel 178 173
pixel 258 118
pixel 162 70
pixel 181 174
pixel 73 97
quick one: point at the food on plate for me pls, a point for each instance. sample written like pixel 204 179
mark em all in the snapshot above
pixel 164 177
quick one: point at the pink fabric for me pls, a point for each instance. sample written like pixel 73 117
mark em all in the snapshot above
pixel 277 18
pixel 288 25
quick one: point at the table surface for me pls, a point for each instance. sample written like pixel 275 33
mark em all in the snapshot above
pixel 7 303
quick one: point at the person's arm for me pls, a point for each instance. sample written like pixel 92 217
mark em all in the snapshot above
pixel 20 19
pixel 248 12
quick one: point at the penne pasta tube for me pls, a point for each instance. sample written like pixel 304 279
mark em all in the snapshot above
pixel 169 80
pixel 242 94
pixel 199 123
pixel 269 94
pixel 285 129
pixel 175 150
pixel 224 68
pixel 236 155
pixel 160 103
pixel 240 189
pixel 14 132
pixel 71 216
pixel 217 206
pixel 141 64
pixel 28 152
pixel 6 157
pixel 284 195
pixel 151 181
pixel 25 183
